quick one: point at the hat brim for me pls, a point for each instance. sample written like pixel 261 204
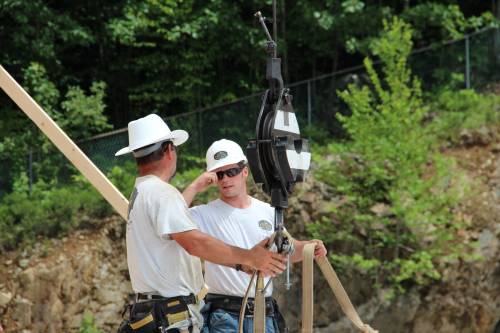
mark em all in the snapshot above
pixel 225 162
pixel 178 137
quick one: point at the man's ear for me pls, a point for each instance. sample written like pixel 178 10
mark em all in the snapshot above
pixel 170 151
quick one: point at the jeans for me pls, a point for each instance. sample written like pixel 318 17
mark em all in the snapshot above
pixel 221 321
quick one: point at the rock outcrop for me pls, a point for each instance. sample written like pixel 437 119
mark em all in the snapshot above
pixel 86 272
pixel 49 288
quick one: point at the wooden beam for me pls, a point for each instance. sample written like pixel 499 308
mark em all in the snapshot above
pixel 63 143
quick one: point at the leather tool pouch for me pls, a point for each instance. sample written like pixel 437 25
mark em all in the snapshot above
pixel 173 310
pixel 143 318
pixel 150 316
pixel 143 323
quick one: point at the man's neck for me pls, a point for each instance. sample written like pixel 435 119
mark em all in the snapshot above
pixel 154 171
pixel 240 201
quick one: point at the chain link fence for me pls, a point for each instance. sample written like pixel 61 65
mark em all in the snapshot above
pixel 476 57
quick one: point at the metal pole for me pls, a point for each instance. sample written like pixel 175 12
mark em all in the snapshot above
pixel 467 63
pixel 30 170
pixel 200 134
pixel 309 104
pixel 275 26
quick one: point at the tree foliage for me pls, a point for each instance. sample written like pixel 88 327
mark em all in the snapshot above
pixel 91 64
pixel 398 212
pixel 79 114
pixel 172 56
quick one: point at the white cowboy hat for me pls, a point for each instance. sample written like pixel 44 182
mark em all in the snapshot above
pixel 147 131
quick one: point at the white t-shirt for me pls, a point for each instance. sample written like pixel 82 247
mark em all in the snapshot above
pixel 156 262
pixel 243 228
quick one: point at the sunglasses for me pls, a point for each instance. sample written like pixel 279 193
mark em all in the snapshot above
pixel 229 172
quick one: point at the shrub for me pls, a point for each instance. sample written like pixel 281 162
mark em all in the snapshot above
pixel 88 325
pixel 397 217
pixel 48 210
pixel 463 109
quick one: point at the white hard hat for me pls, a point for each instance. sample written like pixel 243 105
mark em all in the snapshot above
pixel 147 131
pixel 224 152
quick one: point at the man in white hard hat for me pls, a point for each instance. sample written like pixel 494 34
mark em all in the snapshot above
pixel 240 220
pixel 163 242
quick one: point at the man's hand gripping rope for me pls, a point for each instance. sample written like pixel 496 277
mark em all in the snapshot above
pixel 260 289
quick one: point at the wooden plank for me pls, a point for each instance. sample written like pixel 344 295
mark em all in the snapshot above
pixel 63 143
pixel 307 287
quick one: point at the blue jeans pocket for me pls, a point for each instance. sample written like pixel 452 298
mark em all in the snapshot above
pixel 222 322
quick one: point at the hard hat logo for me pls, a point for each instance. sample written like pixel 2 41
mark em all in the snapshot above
pixel 220 155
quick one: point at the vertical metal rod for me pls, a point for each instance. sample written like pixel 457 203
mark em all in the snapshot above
pixel 30 170
pixel 467 63
pixel 309 104
pixel 288 284
pixel 275 26
pixel 200 133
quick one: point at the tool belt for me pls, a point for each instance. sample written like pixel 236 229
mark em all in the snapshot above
pixel 233 304
pixel 190 299
pixel 154 313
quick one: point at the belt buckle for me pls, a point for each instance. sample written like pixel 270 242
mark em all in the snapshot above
pixel 250 307
pixel 141 296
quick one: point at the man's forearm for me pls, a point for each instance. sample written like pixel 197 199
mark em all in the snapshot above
pixel 208 248
pixel 220 253
pixel 189 193
pixel 298 248
pixel 211 249
pixel 200 184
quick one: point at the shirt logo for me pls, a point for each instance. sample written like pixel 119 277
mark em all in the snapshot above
pixel 265 225
pixel 220 155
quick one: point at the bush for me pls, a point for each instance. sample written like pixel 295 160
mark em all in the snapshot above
pixel 463 109
pixel 49 210
pixel 88 325
pixel 123 177
pixel 397 213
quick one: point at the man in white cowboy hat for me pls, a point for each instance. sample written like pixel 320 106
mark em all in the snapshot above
pixel 240 220
pixel 164 243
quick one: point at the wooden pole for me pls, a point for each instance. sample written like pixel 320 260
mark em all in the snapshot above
pixel 63 143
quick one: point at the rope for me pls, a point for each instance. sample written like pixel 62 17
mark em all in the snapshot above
pixel 307 294
pixel 336 286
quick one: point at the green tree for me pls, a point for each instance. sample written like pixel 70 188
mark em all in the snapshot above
pixel 172 56
pixel 398 218
pixel 80 115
